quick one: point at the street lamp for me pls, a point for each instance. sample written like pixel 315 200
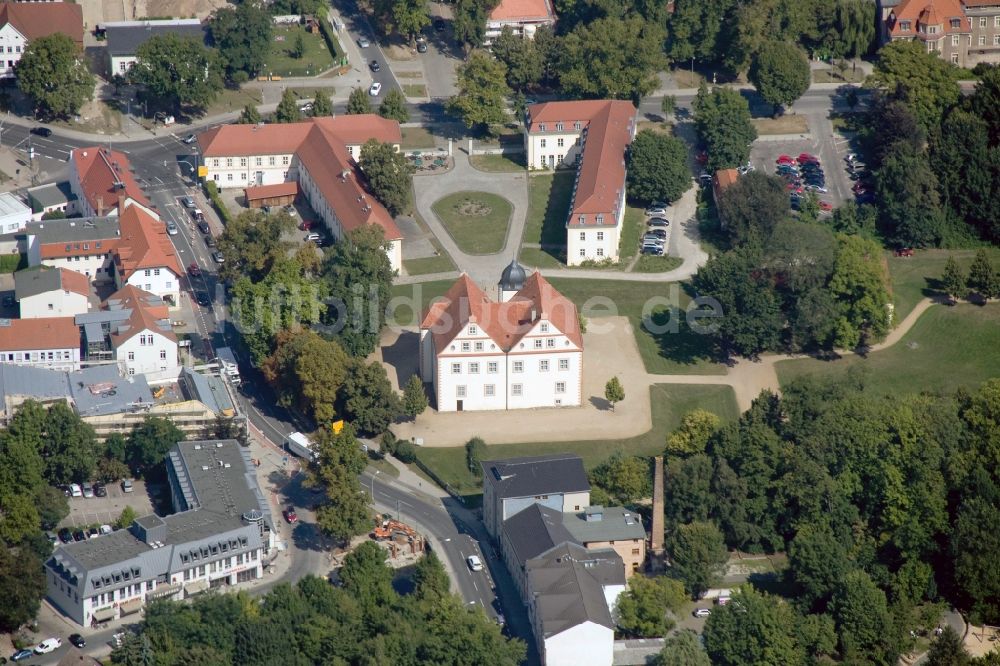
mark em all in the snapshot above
pixel 373 485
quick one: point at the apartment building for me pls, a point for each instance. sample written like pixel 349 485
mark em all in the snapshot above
pixel 963 32
pixel 101 179
pixel 41 291
pixel 84 245
pixel 47 342
pixel 145 256
pixel 523 17
pixel 20 23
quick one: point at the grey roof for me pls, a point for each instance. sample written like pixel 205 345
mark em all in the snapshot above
pixel 25 380
pixel 102 316
pixel 533 531
pixel 101 390
pixel 616 524
pixel 36 280
pixel 74 229
pixel 125 40
pixel 568 586
pixel 210 390
pixel 513 277
pixel 11 205
pixel 536 475
pixel 51 194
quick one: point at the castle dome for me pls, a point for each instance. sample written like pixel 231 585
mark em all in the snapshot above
pixel 513 277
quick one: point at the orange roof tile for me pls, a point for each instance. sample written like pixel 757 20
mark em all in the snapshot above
pixel 287 138
pixel 928 12
pixel 144 243
pixel 75 282
pixel 99 170
pixel 505 323
pixel 523 10
pixel 267 191
pixel 41 19
pixel 42 333
pixel 724 178
pixel 147 312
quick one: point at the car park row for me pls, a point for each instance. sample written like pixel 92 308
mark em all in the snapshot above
pixel 654 240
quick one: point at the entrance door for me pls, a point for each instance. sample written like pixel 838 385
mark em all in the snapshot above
pixel 552 161
pixel 460 405
pixel 260 178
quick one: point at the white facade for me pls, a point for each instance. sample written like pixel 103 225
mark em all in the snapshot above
pixel 597 242
pixel 147 352
pixel 67 358
pixel 162 282
pixel 588 643
pixel 55 303
pixel 12 45
pixel 14 215
pixel 558 146
pixel 249 171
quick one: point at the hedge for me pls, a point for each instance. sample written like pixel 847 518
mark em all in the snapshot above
pixel 212 192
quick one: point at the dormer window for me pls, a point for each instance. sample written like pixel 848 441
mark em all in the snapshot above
pixel 904 26
pixel 956 24
pixel 541 128
pixel 559 127
pixel 473 329
pixel 577 125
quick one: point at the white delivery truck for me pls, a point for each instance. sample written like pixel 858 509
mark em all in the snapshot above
pixel 228 367
pixel 300 445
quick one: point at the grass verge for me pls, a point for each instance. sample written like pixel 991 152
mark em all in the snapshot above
pixel 548 205
pixel 478 221
pixel 426 265
pixel 918 277
pixel 414 90
pixel 233 100
pixel 498 163
pixel 315 59
pixel 535 257
pixel 787 124
pixel 948 347
pixel 416 137
pixel 649 263
pixel 633 224
pixel 669 404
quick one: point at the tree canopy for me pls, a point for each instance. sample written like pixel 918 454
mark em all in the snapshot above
pixel 389 173
pixel 53 73
pixel 482 91
pixel 657 167
pixel 177 72
pixel 722 118
pixel 243 36
pixel 780 72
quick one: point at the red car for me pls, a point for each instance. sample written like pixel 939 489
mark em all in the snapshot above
pixel 306 225
pixel 904 252
pixel 194 270
pixel 806 157
pixel 290 515
pixel 785 159
pixel 825 206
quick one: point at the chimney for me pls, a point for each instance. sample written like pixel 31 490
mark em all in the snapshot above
pixel 594 514
pixel 657 531
pixel 100 206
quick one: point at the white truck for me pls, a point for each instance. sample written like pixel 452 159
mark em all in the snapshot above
pixel 300 445
pixel 228 367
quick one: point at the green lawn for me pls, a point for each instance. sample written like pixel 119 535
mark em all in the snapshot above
pixel 425 265
pixel 917 277
pixel 632 228
pixel 683 352
pixel 669 404
pixel 649 263
pixel 233 100
pixel 500 163
pixel 414 90
pixel 548 205
pixel 410 300
pixel 478 221
pixel 416 137
pixel 538 258
pixel 315 60
pixel 948 347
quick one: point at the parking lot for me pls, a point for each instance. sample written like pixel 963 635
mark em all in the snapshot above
pixel 105 510
pixel 830 152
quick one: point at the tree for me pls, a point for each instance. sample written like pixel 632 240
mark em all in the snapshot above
pixel 366 575
pixel 908 197
pixel 521 57
pixel 982 278
pixel 336 452
pixel 430 580
pixel 394 106
pixel 298 47
pixel 389 174
pixel 322 106
pixel 19 519
pixel 642 611
pixel 369 401
pixel 69 446
pixel 817 561
pixel 126 518
pixel 288 108
pixel 252 244
pixel 953 280
pixel 611 58
pixel 357 102
pixel 754 628
pixel 614 392
pixel 975 534
pixel 860 284
pixel 948 650
pixel 475 450
pixel 309 371
pixel 358 274
pixel 51 505
pixel 177 72
pixel 752 207
pixel 682 649
pixel 250 115
pixel 780 73
pixel 692 435
pixel 657 167
pixel 722 119
pixel 53 74
pixel 624 478
pixel 469 25
pixel 668 105
pixel 699 556
pixel 149 442
pixel 243 36
pixel 864 624
pixel 414 397
pixel 482 92
pixel 920 78
pixel 345 512
pixel 410 17
pixel 22 585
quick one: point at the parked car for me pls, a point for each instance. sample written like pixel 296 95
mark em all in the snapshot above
pixel 785 159
pixel 188 202
pixel 363 42
pixel 656 209
pixel 79 535
pixel 656 233
pixel 658 222
pixel 375 89
pixel 48 645
pixel 474 562
pixel 421 45
pixel 702 612
pixel 865 198
pixel 290 515
pixel 65 535
pixel 194 270
pixel 306 225
pixel 209 240
pixel 654 250
pixel 904 252
pixel 204 228
pixel 21 655
pixel 77 640
pixel 806 157
pixel 75 490
pixel 41 131
pixel 93 533
pixel 127 485
pixel 312 237
pixel 374 66
pixel 218 258
pixel 88 490
pixel 172 229
pixel 107 529
pixel 100 490
pixel 815 187
pixel 825 206
pixel 203 299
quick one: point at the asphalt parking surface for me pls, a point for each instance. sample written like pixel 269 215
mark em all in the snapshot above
pixel 105 510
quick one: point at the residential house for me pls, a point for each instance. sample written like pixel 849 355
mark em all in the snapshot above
pixel 320 155
pixel 220 534
pixel 614 527
pixel 140 333
pixel 556 481
pixel 51 197
pixel 592 136
pixel 42 291
pixel 123 38
pixel 49 342
pixel 101 178
pixel 962 32
pixel 523 17
pixel 85 245
pixel 21 23
pixel 145 256
pixel 522 352
pixel 14 215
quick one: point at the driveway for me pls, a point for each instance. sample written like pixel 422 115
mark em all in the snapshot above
pixel 105 510
pixel 443 55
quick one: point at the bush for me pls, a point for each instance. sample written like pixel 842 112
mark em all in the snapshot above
pixel 389 443
pixel 13 262
pixel 405 451
pixel 331 41
pixel 212 192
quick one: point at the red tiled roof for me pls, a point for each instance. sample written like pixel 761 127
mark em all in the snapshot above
pixel 99 169
pixel 144 243
pixel 287 138
pixel 290 189
pixel 505 323
pixel 724 178
pixel 928 12
pixel 981 3
pixel 75 282
pixel 355 129
pixel 147 312
pixel 523 10
pixel 42 333
pixel 41 19
pixel 609 125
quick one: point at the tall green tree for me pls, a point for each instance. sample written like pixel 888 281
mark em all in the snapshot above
pixel 53 74
pixel 322 106
pixel 614 392
pixel 243 37
pixel 657 167
pixel 177 72
pixel 908 197
pixel 754 628
pixel 690 438
pixel 752 207
pixel 22 584
pixel 611 58
pixel 780 73
pixel 698 555
pixel 288 108
pixel 389 173
pixel 521 57
pixel 252 244
pixel 922 79
pixel 626 479
pixel 149 442
pixel 642 611
pixel 475 451
pixel 469 25
pixel 953 280
pixel 307 371
pixel 864 624
pixel 370 402
pixel 975 534
pixel 410 17
pixel 69 446
pixel 358 102
pixel 414 397
pixel 482 92
pixel 722 118
pixel 682 649
pixel 948 650
pixel 982 277
pixel 250 115
pixel 860 284
pixel 394 106
pixel 817 561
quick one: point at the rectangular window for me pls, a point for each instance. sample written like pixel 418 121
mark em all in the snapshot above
pixel 577 125
pixel 541 143
pixel 491 367
pixel 956 24
pixel 996 40
pixel 473 329
pixel 635 551
pixel 538 343
pixel 215 162
pixel 543 366
pixel 271 161
pixel 982 40
pixel 982 21
pixel 518 366
pixel 284 160
pixel 583 234
pixel 996 21
pixel 954 58
pixel 460 391
pixel 473 368
pixel 541 128
pixel 904 26
pixel 259 161
pixel 490 390
pixel 550 343
pixel 582 219
pixel 600 234
pixel 479 346
pixel 229 176
pixel 600 252
pixel 229 161
pixel 456 368
pixel 163 354
pixel 560 387
pixel 559 127
pixel 466 346
pixel 954 40
pixel 559 142
pixel 515 389
pixel 156 271
pixel 583 252
pixel 148 272
pixel 243 161
pixel 564 364
pixel 544 328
